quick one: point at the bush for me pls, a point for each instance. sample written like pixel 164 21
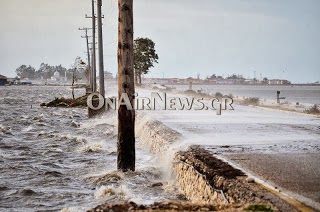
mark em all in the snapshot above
pixel 251 101
pixel 218 95
pixel 230 95
pixel 190 92
pixel 258 208
pixel 313 110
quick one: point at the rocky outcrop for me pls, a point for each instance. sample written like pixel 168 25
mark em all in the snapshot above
pixel 159 206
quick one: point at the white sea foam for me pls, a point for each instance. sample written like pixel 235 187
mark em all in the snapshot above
pixel 28 129
pixel 107 191
pixel 91 148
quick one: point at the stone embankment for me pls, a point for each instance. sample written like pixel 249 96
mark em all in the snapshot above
pixel 203 178
pixel 208 183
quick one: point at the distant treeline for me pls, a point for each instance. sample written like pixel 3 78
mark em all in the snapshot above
pixel 46 71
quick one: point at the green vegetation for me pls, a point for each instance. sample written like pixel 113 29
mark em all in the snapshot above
pixel 251 101
pixel 24 71
pixel 190 92
pixel 144 57
pixel 258 208
pixel 230 95
pixel 313 110
pixel 46 71
pixel 218 95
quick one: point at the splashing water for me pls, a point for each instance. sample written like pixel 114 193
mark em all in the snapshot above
pixel 58 159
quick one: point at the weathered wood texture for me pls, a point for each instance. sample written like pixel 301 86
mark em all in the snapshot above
pixel 126 118
pixel 100 48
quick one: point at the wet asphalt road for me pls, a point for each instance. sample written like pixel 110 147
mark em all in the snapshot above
pixel 297 174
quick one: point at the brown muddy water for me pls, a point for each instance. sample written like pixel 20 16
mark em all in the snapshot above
pixel 56 158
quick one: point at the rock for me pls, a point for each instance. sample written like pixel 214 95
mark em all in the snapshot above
pixel 53 173
pixel 75 124
pixel 156 185
pixel 250 180
pixel 27 192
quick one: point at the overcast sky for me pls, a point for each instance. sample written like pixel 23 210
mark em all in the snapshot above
pixel 274 38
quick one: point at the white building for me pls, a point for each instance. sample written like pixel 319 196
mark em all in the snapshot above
pixel 56 76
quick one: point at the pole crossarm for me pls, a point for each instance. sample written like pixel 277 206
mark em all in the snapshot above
pixel 94 16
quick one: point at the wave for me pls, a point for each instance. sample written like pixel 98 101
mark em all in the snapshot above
pixel 106 191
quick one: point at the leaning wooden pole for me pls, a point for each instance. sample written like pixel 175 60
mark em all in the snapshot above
pixel 126 117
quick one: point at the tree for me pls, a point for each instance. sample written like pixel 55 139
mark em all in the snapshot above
pixel 79 69
pixel 234 76
pixel 45 71
pixel 213 76
pixel 144 57
pixel 26 72
pixel 21 71
pixel 62 70
pixel 265 80
pixel 70 74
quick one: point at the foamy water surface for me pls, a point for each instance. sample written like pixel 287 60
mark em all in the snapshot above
pixel 56 158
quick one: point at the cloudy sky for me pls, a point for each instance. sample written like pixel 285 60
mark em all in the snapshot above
pixel 274 38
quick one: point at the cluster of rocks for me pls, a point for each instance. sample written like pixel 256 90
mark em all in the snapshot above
pixel 203 178
pixel 158 206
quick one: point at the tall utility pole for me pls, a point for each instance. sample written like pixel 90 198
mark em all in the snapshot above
pixel 88 54
pixel 92 61
pixel 94 65
pixel 87 40
pixel 100 49
pixel 126 117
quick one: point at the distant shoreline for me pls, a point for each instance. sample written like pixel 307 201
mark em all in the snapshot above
pixel 289 85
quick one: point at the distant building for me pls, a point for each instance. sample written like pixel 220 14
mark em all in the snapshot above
pixel 251 81
pixel 108 75
pixel 278 82
pixel 56 76
pixel 14 81
pixel 193 80
pixel 163 80
pixel 3 80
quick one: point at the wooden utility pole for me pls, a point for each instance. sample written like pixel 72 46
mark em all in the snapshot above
pixel 88 54
pixel 100 49
pixel 87 40
pixel 92 61
pixel 94 65
pixel 126 118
